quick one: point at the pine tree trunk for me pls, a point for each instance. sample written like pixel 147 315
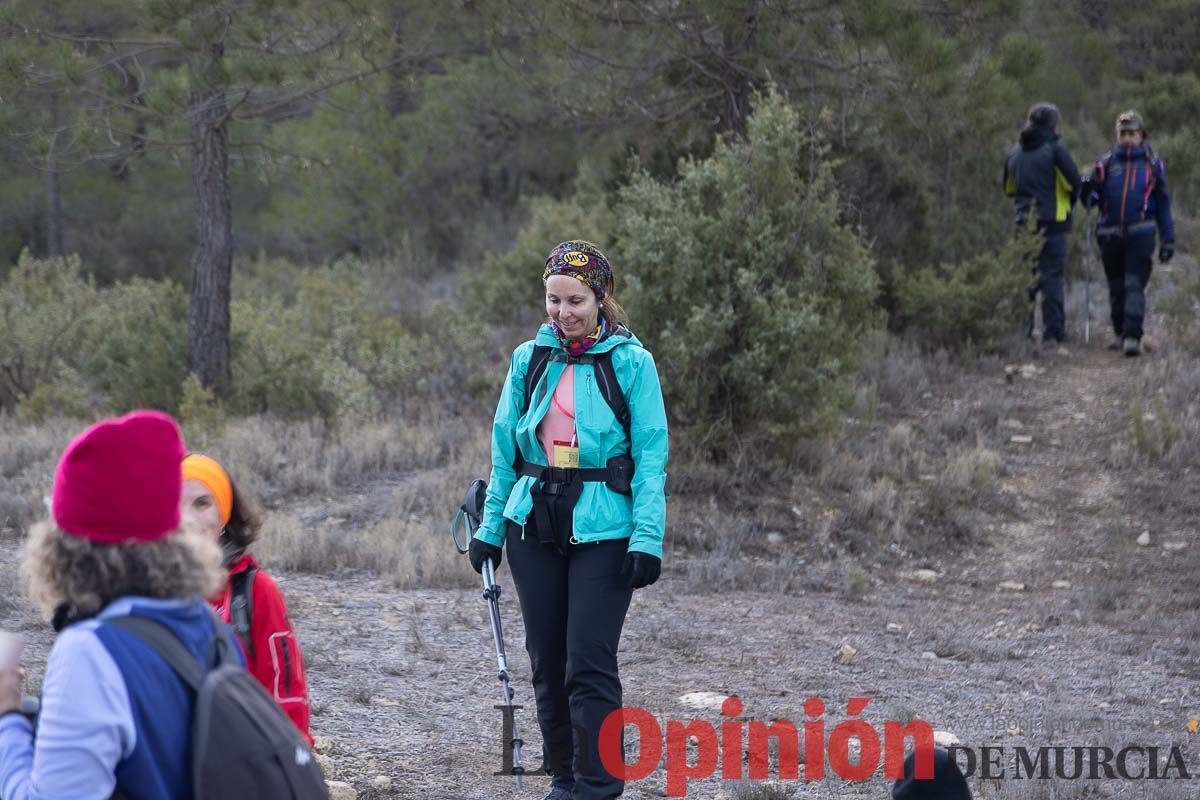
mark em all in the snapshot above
pixel 208 314
pixel 737 41
pixel 54 212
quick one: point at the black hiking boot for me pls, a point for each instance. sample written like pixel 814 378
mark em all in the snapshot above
pixel 559 793
pixel 1132 347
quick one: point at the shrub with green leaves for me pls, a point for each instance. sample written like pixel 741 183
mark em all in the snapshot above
pixel 973 303
pixel 509 287
pixel 337 346
pixel 749 286
pixel 138 356
pixel 47 308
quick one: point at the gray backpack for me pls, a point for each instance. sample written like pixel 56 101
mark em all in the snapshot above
pixel 243 745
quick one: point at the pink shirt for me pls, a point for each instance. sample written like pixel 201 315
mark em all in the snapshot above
pixel 559 423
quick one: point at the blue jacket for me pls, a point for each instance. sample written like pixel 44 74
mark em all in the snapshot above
pixel 1130 186
pixel 114 714
pixel 600 513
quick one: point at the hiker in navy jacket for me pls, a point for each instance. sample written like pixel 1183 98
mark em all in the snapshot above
pixel 114 715
pixel 1129 183
pixel 1041 177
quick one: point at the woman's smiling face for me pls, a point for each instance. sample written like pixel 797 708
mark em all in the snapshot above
pixel 572 306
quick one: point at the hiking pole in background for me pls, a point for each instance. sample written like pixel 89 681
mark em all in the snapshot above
pixel 470 513
pixel 1087 277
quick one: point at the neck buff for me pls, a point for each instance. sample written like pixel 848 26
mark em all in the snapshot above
pixel 578 347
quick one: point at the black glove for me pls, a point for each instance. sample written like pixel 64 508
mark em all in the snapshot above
pixel 1166 251
pixel 640 569
pixel 480 550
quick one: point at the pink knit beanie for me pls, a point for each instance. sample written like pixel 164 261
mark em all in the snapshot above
pixel 120 480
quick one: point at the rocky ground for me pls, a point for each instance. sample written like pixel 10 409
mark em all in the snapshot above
pixel 1075 623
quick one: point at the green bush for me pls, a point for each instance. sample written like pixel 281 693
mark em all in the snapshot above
pixel 138 357
pixel 973 303
pixel 339 346
pixel 275 361
pixel 749 286
pixel 508 289
pixel 47 308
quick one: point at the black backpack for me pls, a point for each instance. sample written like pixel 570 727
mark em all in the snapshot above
pixel 241 606
pixel 243 745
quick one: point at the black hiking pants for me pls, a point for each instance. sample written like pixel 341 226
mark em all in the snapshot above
pixel 573 603
pixel 1051 265
pixel 1127 265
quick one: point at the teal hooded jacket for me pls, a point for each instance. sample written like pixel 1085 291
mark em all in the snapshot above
pixel 600 513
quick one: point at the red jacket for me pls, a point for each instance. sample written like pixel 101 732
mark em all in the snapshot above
pixel 274 656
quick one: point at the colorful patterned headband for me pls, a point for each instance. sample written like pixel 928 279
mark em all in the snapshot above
pixel 583 261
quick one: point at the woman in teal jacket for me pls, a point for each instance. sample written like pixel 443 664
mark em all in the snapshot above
pixel 577 493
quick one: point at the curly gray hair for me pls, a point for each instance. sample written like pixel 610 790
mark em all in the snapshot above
pixel 62 570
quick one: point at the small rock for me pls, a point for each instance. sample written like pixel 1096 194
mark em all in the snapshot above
pixel 1061 584
pixel 1021 439
pixel 704 700
pixel 945 739
pixel 322 744
pixel 1062 351
pixel 338 790
pixel 929 655
pixel 1012 586
pixel 325 763
pixel 1104 705
pixel 1015 731
pixel 894 627
pixel 925 575
pixel 846 654
pixel 1174 546
pixel 381 783
pixel 1144 539
pixel 1013 424
pixel 774 537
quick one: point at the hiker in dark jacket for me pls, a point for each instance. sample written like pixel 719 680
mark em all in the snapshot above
pixel 946 783
pixel 1041 177
pixel 1129 183
pixel 114 714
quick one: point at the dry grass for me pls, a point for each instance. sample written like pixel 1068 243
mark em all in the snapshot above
pixel 378 495
pixel 375 496
pixel 28 454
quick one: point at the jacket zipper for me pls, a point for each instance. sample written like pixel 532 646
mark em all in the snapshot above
pixel 1125 190
pixel 287 667
pixel 587 382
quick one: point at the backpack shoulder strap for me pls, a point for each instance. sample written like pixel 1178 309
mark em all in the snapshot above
pixel 241 606
pixel 160 638
pixel 611 389
pixel 166 644
pixel 533 373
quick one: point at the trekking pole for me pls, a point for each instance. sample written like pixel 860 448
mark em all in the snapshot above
pixel 471 513
pixel 1087 277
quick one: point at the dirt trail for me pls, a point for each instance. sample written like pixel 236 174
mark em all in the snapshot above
pixel 1072 663
pixel 403 682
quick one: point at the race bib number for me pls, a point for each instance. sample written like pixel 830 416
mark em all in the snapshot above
pixel 565 455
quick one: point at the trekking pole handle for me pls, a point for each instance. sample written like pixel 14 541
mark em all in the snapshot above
pixel 470 515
